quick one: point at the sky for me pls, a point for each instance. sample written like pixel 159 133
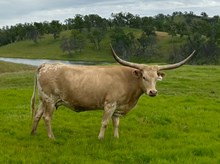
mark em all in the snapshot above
pixel 13 12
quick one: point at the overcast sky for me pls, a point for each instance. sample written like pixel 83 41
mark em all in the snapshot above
pixel 21 11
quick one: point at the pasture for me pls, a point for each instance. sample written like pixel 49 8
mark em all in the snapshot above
pixel 180 125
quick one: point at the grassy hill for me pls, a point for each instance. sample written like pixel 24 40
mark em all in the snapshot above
pixel 49 48
pixel 6 67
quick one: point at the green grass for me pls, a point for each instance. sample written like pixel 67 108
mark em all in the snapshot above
pixel 180 125
pixel 11 67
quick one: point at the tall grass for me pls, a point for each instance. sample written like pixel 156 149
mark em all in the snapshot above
pixel 180 125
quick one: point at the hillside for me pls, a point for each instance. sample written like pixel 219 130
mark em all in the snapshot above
pixel 11 67
pixel 48 48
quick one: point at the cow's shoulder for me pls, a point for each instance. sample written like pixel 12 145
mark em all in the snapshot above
pixel 49 67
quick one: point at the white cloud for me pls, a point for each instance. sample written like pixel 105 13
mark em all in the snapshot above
pixel 20 11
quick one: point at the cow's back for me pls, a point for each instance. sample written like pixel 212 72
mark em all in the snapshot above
pixel 86 86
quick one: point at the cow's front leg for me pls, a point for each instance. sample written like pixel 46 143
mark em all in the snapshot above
pixel 108 112
pixel 115 121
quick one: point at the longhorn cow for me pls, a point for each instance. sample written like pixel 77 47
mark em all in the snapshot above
pixel 114 89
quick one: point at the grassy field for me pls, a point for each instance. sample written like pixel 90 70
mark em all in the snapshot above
pixel 180 125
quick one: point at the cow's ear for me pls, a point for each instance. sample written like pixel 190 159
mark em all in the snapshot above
pixel 160 75
pixel 137 73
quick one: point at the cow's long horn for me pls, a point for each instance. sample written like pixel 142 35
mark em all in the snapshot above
pixel 173 66
pixel 123 62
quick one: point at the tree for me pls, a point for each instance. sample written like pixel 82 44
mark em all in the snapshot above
pixel 119 19
pixel 73 44
pixel 4 40
pixel 40 28
pixel 135 22
pixel 69 23
pixel 55 28
pixel 128 18
pixel 122 42
pixel 88 22
pixel 143 40
pixel 78 39
pixel 149 30
pixel 147 23
pixel 32 33
pixel 96 36
pixel 147 45
pixel 94 21
pixel 78 22
pixel 160 21
pixel 181 28
pixel 17 32
pixel 65 46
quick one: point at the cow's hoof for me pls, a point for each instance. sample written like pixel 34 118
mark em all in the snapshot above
pixel 101 138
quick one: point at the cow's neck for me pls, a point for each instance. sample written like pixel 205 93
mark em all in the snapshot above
pixel 132 100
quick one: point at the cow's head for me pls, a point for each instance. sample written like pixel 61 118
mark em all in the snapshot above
pixel 149 74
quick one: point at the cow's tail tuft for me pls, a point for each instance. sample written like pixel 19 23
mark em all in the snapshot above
pixel 33 98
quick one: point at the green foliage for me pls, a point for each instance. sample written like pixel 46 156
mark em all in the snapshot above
pixel 123 42
pixel 33 33
pixel 78 22
pixel 180 125
pixel 55 29
pixel 96 36
pixel 75 43
pixel 147 45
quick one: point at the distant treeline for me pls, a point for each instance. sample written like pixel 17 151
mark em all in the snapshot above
pixel 200 32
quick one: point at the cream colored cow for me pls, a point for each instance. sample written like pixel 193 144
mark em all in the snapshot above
pixel 114 89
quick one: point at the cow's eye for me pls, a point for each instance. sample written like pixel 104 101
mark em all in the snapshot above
pixel 145 78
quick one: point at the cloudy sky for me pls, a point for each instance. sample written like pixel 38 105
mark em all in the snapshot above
pixel 21 11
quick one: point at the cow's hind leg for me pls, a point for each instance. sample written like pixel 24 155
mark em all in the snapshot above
pixel 115 121
pixel 47 115
pixel 37 118
pixel 108 112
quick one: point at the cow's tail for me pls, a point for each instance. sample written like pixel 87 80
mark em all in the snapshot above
pixel 33 98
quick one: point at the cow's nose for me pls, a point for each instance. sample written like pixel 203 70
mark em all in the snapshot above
pixel 152 93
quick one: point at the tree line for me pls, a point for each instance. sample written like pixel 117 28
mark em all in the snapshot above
pixel 200 32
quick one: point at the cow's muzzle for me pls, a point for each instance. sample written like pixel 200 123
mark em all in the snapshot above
pixel 152 93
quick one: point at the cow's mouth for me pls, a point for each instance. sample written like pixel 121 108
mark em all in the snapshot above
pixel 152 95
